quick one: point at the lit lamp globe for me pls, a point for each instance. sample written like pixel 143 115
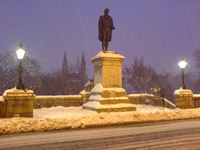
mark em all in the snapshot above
pixel 182 64
pixel 20 55
pixel 20 51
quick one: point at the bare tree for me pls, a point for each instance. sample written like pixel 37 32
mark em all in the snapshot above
pixel 139 78
pixel 197 59
pixel 195 77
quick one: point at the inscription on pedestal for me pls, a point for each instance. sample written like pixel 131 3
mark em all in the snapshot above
pixel 111 77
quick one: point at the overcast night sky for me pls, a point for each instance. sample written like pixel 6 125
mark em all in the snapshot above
pixel 159 30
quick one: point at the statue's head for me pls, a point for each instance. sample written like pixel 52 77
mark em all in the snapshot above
pixel 106 10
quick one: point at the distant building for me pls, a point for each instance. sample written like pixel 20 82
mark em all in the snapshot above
pixel 74 78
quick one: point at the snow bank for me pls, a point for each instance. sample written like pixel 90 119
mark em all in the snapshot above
pixel 56 118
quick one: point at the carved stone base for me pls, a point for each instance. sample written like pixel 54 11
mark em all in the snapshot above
pixel 108 100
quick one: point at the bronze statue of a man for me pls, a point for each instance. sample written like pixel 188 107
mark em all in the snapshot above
pixel 105 29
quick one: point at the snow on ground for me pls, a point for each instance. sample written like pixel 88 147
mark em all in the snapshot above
pixel 57 118
pixel 60 112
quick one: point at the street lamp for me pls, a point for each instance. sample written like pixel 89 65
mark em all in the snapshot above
pixel 20 55
pixel 182 64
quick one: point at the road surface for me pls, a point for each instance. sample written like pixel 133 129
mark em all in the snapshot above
pixel 175 135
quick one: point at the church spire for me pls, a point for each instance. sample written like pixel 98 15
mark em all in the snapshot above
pixel 83 70
pixel 83 63
pixel 65 64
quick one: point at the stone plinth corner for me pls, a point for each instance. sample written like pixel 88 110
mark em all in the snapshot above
pixel 17 103
pixel 184 98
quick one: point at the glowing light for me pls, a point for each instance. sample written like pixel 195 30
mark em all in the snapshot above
pixel 20 51
pixel 182 64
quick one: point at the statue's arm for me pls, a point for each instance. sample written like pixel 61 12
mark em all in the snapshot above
pixel 100 22
pixel 112 25
pixel 100 29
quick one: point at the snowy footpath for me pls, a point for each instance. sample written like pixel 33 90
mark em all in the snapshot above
pixel 58 118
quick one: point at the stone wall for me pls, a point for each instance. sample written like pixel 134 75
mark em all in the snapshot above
pixel 58 100
pixel 77 100
pixel 150 99
pixel 196 100
pixel 2 108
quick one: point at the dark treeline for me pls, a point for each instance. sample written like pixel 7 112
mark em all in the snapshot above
pixel 70 79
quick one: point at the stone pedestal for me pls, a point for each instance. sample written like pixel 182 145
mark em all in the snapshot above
pixel 108 94
pixel 17 103
pixel 184 98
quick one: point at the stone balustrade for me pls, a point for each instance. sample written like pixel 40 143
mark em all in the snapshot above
pixel 57 100
pixel 150 99
pixel 196 100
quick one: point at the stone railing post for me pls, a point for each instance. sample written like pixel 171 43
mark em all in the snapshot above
pixel 184 98
pixel 17 103
pixel 85 95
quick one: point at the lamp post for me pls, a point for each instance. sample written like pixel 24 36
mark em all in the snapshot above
pixel 182 64
pixel 20 55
